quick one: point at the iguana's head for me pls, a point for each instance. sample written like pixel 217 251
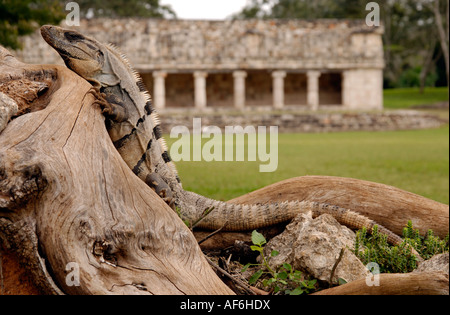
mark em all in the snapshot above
pixel 83 55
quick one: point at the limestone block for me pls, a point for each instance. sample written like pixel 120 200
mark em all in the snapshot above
pixel 314 245
pixel 438 262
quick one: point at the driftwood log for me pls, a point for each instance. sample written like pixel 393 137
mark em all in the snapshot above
pixel 71 210
pixel 70 206
pixel 423 283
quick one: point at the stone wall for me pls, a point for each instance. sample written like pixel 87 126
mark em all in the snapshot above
pixel 362 85
pixel 153 44
pixel 188 63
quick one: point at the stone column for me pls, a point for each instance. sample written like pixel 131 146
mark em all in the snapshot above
pixel 159 89
pixel 347 89
pixel 313 89
pixel 278 88
pixel 239 88
pixel 200 89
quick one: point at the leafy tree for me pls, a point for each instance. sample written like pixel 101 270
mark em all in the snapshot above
pixel 303 9
pixel 441 17
pixel 254 9
pixel 318 9
pixel 125 8
pixel 22 17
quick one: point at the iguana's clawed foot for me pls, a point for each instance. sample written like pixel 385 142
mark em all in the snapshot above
pixel 99 98
pixel 111 105
pixel 159 186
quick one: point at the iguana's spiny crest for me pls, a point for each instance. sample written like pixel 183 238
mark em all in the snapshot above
pixel 129 104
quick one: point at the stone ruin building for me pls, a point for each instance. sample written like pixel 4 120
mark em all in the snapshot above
pixel 241 64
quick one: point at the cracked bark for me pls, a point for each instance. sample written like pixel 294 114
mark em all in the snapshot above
pixel 68 199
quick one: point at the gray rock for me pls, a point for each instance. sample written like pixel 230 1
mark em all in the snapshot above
pixel 313 246
pixel 438 262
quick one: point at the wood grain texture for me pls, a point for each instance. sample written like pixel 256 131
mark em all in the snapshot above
pixel 425 283
pixel 93 211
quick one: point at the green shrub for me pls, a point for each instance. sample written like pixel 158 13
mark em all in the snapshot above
pixel 399 258
pixel 427 246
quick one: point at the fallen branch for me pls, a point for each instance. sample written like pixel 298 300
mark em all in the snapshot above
pixel 426 283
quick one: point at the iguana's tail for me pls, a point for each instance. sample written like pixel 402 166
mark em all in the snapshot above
pixel 237 217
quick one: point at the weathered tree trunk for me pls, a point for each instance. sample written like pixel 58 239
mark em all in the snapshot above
pixel 423 283
pixel 73 212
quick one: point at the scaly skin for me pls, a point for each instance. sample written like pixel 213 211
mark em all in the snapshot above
pixel 138 139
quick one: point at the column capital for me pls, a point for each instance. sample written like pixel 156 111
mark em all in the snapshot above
pixel 278 74
pixel 313 73
pixel 239 74
pixel 159 74
pixel 200 74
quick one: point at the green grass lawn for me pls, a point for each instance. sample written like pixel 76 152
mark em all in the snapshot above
pixel 405 98
pixel 416 161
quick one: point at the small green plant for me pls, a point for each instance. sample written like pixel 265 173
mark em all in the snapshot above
pixel 399 258
pixel 284 280
pixel 427 246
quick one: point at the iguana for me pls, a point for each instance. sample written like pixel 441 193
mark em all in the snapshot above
pixel 135 130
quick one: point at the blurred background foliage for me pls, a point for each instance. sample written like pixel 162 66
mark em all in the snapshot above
pixel 21 17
